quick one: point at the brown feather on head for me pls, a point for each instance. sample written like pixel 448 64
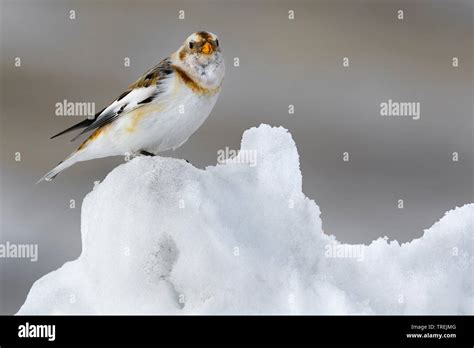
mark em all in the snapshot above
pixel 199 43
pixel 200 57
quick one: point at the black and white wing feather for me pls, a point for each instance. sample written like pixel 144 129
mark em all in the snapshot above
pixel 146 89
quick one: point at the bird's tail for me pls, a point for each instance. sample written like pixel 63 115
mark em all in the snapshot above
pixel 69 161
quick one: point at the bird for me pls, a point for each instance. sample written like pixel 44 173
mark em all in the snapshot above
pixel 159 111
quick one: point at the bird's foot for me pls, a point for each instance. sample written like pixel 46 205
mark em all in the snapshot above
pixel 146 153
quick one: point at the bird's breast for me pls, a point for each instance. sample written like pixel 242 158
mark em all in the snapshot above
pixel 168 122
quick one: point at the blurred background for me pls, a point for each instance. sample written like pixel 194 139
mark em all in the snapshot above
pixel 282 62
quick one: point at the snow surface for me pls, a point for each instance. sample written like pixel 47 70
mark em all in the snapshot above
pixel 161 236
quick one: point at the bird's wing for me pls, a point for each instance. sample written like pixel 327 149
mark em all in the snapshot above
pixel 146 89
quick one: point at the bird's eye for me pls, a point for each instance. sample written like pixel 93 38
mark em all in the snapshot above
pixel 217 43
pixel 191 45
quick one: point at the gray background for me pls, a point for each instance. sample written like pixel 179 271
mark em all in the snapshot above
pixel 282 62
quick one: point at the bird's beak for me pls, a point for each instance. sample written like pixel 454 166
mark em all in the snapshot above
pixel 206 48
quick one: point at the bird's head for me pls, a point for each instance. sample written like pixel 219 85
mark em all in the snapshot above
pixel 200 56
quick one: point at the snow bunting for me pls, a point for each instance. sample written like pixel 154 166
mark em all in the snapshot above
pixel 158 112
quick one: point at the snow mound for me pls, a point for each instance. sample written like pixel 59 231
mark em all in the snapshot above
pixel 161 236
